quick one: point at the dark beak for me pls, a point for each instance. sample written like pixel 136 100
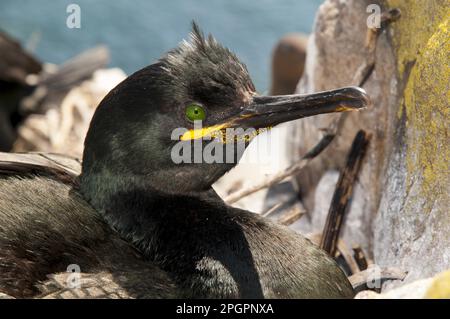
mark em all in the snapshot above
pixel 265 111
pixel 268 111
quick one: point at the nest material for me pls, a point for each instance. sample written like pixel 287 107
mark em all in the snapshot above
pixel 62 129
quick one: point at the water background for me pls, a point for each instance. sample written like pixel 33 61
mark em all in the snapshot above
pixel 137 32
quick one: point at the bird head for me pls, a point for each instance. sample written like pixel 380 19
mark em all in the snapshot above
pixel 151 127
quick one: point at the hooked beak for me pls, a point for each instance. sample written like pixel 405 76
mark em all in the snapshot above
pixel 268 111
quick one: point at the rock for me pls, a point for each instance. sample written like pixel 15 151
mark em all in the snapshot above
pixel 437 287
pixel 322 199
pixel 314 222
pixel 400 210
pixel 412 229
pixel 288 63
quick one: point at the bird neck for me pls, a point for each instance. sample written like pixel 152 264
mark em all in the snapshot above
pixel 194 236
pixel 137 210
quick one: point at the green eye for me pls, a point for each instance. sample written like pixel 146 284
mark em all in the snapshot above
pixel 195 112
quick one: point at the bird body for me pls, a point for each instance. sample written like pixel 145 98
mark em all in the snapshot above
pixel 133 207
pixel 213 250
pixel 218 252
pixel 47 226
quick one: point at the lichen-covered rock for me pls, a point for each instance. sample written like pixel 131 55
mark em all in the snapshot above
pixel 412 229
pixel 440 287
pixel 400 214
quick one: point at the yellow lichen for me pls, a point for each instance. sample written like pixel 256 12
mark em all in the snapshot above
pixel 422 36
pixel 418 22
pixel 440 287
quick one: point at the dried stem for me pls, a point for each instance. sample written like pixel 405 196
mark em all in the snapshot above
pixel 343 193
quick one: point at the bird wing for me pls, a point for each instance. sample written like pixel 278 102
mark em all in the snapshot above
pixel 61 167
pixel 43 238
pixel 142 281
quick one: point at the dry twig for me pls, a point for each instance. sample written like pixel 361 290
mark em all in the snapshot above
pixel 294 214
pixel 361 279
pixel 360 258
pixel 343 193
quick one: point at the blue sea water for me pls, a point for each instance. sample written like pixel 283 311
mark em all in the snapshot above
pixel 138 32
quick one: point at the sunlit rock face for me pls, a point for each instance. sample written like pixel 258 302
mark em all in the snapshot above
pixel 400 213
pixel 412 228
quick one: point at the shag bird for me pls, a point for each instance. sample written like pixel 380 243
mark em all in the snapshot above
pixel 135 205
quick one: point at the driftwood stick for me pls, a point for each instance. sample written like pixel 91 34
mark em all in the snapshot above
pixel 294 214
pixel 345 253
pixel 77 69
pixel 365 70
pixel 360 281
pixel 360 258
pixel 53 87
pixel 387 17
pixel 343 193
pixel 272 209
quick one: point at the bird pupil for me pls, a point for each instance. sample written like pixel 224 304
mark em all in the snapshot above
pixel 195 112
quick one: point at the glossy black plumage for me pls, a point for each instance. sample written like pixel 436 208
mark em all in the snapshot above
pixel 131 195
pixel 46 226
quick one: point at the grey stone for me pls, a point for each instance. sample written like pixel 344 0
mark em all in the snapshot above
pixel 396 216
